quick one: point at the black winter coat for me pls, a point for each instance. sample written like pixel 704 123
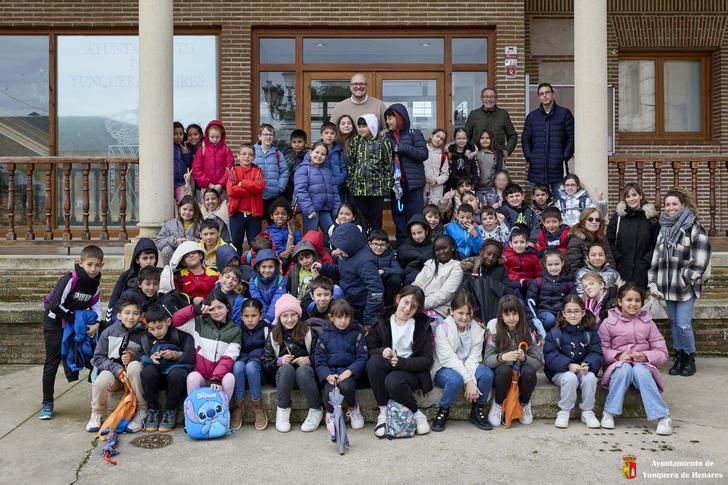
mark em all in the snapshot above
pixel 411 255
pixel 488 286
pixel 551 292
pixel 632 245
pixel 548 142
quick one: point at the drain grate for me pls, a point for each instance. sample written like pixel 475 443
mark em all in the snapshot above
pixel 152 441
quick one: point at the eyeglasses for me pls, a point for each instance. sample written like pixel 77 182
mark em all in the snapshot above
pixel 544 93
pixel 488 97
pixel 358 85
pixel 593 219
pixel 572 312
pixel 378 244
pixel 267 134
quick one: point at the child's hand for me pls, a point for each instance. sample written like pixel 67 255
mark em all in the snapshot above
pixel 584 369
pixel 126 357
pixel 575 368
pixel 472 392
pixel 218 187
pixel 626 356
pixel 598 193
pixel 216 387
pixel 638 357
pixel 197 300
pixel 345 375
pixel 336 253
pixel 531 245
pixel 511 356
pixel 312 215
pixel 387 353
pixel 188 176
pixel 501 217
pixel 469 155
pixel 155 358
pixel 302 361
pixel 292 227
pixel 180 240
pixel 316 267
pixel 169 354
pixel 331 379
pixel 287 359
pixel 92 329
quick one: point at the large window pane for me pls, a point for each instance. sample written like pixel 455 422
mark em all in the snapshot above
pixel 23 95
pixel 277 95
pixel 683 103
pixel 373 50
pixel 277 51
pixel 637 95
pixel 466 88
pixel 325 93
pixel 418 96
pixel 469 51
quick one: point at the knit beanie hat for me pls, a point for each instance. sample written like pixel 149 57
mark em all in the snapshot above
pixel 287 303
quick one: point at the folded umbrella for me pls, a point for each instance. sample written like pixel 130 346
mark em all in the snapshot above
pixel 536 321
pixel 512 408
pixel 342 440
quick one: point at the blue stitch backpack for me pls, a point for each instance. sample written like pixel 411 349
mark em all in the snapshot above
pixel 400 421
pixel 206 414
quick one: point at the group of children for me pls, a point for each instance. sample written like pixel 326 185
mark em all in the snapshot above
pixel 483 284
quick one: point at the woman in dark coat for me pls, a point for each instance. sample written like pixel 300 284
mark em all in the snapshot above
pixel 632 232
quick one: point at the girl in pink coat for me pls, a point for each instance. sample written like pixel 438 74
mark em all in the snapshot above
pixel 209 167
pixel 633 348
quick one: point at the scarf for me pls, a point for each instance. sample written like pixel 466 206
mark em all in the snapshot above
pixel 672 226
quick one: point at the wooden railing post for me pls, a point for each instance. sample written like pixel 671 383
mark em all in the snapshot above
pixel 712 231
pixel 11 236
pixel 620 171
pixel 123 236
pixel 67 236
pixel 85 169
pixel 658 195
pixel 694 166
pixel 29 234
pixel 48 236
pixel 676 173
pixel 104 201
pixel 640 166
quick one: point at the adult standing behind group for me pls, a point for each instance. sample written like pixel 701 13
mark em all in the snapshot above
pixel 360 103
pixel 548 140
pixel 489 117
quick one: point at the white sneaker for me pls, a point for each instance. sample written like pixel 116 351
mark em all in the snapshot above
pixel 381 426
pixel 357 420
pixel 137 422
pixel 607 421
pixel 421 420
pixel 562 419
pixel 94 422
pixel 330 427
pixel 590 419
pixel 313 420
pixel 527 417
pixel 283 419
pixel 664 426
pixel 495 416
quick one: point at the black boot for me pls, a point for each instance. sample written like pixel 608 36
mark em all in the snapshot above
pixel 479 418
pixel 688 365
pixel 679 363
pixel 438 424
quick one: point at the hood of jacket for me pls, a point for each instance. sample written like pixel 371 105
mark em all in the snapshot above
pixel 316 239
pixel 418 219
pixel 372 123
pixel 183 250
pixel 648 210
pixel 144 244
pixel 402 115
pixel 348 238
pixel 302 246
pixel 224 255
pixel 207 129
pixel 265 255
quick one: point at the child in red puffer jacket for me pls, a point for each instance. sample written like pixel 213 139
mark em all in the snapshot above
pixel 522 264
pixel 212 161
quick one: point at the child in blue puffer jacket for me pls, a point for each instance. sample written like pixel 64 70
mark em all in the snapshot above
pixel 315 189
pixel 341 357
pixel 268 285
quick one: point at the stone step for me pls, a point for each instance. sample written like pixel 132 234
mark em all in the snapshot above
pixel 25 262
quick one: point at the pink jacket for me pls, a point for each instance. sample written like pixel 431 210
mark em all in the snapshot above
pixel 210 162
pixel 620 333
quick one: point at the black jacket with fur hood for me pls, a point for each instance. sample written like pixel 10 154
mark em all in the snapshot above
pixel 632 234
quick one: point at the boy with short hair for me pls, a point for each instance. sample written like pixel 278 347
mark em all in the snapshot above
pixel 300 274
pixel 230 284
pixel 210 241
pixel 490 228
pixel 322 291
pixel 146 292
pixel 261 241
pixel 145 254
pixel 464 232
pixel 295 153
pixel 75 290
pixel 273 163
pixel 540 200
pixel 515 209
pixel 168 356
pixel 434 219
pixel 522 264
pixel 283 230
pixel 389 268
pixel 117 357
pixel 335 156
pixel 370 175
pixel 552 233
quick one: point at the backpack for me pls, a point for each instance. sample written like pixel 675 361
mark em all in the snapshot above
pixel 206 414
pixel 400 421
pixel 74 281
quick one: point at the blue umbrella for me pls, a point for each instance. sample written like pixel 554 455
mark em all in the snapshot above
pixel 109 448
pixel 536 321
pixel 342 440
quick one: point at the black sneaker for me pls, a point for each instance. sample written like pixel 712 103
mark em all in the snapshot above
pixel 478 418
pixel 438 424
pixel 169 420
pixel 151 420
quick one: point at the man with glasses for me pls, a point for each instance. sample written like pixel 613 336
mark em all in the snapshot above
pixel 548 140
pixel 489 117
pixel 360 103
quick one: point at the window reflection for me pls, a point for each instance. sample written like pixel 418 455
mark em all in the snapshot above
pixel 373 50
pixel 277 51
pixel 277 95
pixel 466 88
pixel 469 51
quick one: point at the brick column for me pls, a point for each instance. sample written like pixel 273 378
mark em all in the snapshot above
pixel 156 197
pixel 590 94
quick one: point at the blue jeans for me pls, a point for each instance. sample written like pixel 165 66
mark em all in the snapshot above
pixel 244 224
pixel 413 203
pixel 547 318
pixel 323 220
pixel 251 371
pixel 640 377
pixel 452 383
pixel 681 314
